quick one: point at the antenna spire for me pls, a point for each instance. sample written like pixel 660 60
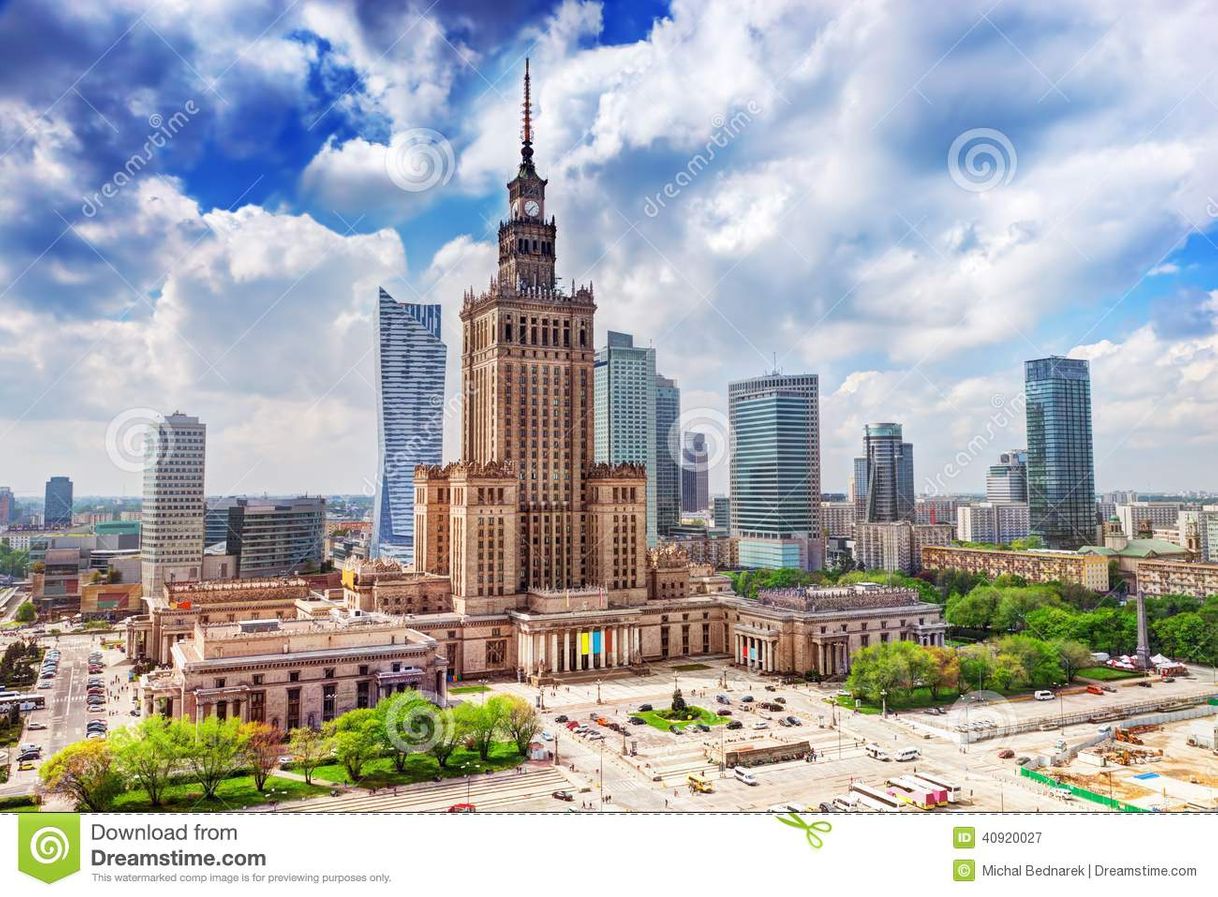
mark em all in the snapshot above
pixel 526 136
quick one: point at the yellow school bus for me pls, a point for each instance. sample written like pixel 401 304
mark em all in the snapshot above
pixel 699 784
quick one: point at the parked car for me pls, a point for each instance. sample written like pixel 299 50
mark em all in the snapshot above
pixel 1006 754
pixel 702 727
pixel 25 765
pixel 724 712
pixel 746 699
pixel 794 721
pixel 674 729
pixel 761 724
pixel 36 726
pixel 1094 690
pixel 1144 683
pixel 561 718
pixel 780 700
pixel 723 699
pixel 563 795
pixel 1043 695
pixel 735 724
pixel 643 708
pixel 637 721
pixel 462 808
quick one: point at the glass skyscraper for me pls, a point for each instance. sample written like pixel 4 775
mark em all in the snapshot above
pixel 889 474
pixel 624 388
pixel 668 453
pixel 775 470
pixel 695 473
pixel 1061 471
pixel 410 359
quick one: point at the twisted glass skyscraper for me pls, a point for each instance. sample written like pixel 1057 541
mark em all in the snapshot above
pixel 410 360
pixel 1061 473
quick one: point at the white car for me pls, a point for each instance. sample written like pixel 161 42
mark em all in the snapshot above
pixel 1043 695
pixel 34 727
pixel 761 725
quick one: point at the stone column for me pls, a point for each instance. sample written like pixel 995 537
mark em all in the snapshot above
pixel 553 652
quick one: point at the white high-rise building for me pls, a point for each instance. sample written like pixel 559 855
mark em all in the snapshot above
pixel 996 522
pixel 171 523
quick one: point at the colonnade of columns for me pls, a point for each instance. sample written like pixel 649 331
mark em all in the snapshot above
pixel 755 652
pixel 571 650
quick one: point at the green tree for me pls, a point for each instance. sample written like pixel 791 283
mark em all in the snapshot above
pixel 1072 656
pixel 26 612
pixel 1186 636
pixel 448 735
pixel 944 670
pixel 891 668
pixel 407 723
pixel 522 723
pixel 974 610
pixel 482 723
pixel 212 750
pixel 146 755
pixel 85 773
pixel 977 664
pixel 309 749
pixel 358 736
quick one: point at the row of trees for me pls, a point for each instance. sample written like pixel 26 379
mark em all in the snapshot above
pixel 897 669
pixel 13 561
pixel 159 752
pixel 748 582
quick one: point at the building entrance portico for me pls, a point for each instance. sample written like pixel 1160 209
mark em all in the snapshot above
pixel 756 647
pixel 552 648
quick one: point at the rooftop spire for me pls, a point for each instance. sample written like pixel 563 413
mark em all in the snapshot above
pixel 526 149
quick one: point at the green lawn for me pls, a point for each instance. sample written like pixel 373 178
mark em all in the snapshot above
pixel 917 699
pixel 422 767
pixel 468 689
pixel 690 667
pixel 656 721
pixel 233 794
pixel 1107 674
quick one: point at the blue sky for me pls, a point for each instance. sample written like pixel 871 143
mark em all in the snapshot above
pixel 744 183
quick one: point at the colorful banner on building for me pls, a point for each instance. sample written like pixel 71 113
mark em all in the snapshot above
pixel 597 641
pixel 584 643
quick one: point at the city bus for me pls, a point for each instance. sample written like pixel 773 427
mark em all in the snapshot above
pixel 874 797
pixel 952 789
pixel 907 792
pixel 24 701
pixel 699 784
pixel 937 792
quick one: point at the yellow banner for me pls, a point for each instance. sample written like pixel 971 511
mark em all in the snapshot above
pixel 584 646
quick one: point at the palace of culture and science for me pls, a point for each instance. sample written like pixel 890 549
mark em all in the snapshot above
pixel 529 558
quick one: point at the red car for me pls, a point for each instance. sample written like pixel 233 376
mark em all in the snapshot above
pixel 462 808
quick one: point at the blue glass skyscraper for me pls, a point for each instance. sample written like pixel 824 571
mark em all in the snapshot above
pixel 410 361
pixel 1061 472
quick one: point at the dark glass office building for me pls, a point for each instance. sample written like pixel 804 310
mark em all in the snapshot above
pixel 1061 471
pixel 57 503
pixel 889 491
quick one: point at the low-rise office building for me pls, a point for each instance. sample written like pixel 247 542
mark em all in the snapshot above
pixel 1156 577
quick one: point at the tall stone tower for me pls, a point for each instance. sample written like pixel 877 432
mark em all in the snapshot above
pixel 528 414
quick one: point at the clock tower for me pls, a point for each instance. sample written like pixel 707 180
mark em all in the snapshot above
pixel 526 239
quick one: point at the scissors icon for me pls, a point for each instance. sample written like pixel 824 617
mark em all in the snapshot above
pixel 809 829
